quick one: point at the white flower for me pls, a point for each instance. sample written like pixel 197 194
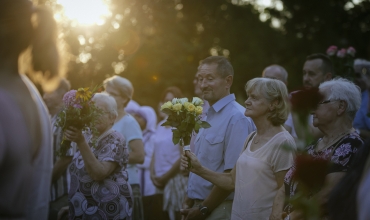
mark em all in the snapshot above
pixel 175 101
pixel 183 100
pixel 197 101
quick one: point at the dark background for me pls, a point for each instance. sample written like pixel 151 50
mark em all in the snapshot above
pixel 160 42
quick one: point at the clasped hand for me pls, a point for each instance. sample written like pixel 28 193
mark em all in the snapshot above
pixel 74 134
pixel 195 164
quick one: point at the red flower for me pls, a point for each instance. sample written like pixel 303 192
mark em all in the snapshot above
pixel 332 50
pixel 304 101
pixel 310 171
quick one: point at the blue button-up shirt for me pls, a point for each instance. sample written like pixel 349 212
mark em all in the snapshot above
pixel 362 121
pixel 219 146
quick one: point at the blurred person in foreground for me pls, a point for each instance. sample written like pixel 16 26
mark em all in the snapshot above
pixel 263 163
pixel 147 119
pixel 333 115
pixel 25 130
pixel 99 179
pixel 362 120
pixel 165 165
pixel 122 91
pixel 219 146
pixel 60 176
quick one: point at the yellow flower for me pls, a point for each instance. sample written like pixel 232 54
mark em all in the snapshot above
pixel 190 107
pixel 198 110
pixel 186 104
pixel 177 107
pixel 83 94
pixel 166 105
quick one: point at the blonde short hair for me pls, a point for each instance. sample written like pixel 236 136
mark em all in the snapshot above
pixel 123 85
pixel 272 90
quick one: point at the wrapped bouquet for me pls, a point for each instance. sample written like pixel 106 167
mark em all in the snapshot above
pixel 80 112
pixel 184 117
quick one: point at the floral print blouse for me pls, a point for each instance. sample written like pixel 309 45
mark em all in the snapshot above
pixel 107 199
pixel 340 155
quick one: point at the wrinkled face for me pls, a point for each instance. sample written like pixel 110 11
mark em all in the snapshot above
pixel 105 121
pixel 313 74
pixel 256 105
pixel 213 86
pixel 53 100
pixel 120 100
pixel 326 111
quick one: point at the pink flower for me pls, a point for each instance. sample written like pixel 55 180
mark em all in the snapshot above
pixel 69 98
pixel 77 105
pixel 341 53
pixel 332 50
pixel 351 51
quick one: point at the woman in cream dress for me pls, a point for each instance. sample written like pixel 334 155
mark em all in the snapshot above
pixel 261 167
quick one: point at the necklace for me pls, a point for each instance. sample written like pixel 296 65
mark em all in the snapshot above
pixel 255 141
pixel 335 139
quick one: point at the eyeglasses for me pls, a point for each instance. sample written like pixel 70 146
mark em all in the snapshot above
pixel 327 101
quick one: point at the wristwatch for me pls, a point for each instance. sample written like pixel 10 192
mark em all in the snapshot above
pixel 203 209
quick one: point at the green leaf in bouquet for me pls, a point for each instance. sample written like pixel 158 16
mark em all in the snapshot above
pixel 197 127
pixel 176 136
pixel 166 123
pixel 183 126
pixel 205 124
pixel 167 111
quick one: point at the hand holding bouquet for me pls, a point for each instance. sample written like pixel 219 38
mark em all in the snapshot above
pixel 184 117
pixel 78 112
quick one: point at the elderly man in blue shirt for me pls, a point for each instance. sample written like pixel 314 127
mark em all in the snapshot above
pixel 219 146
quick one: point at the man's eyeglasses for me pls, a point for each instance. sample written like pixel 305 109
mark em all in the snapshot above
pixel 327 101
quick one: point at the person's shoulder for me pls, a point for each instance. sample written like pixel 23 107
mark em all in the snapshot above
pixel 354 139
pixel 284 138
pixel 234 109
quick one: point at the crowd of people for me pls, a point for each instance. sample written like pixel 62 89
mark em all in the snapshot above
pixel 243 167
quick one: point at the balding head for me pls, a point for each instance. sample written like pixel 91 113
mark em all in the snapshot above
pixel 276 72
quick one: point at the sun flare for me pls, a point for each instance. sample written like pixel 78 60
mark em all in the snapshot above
pixel 84 12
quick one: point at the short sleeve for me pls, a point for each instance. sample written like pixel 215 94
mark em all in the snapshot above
pixel 344 154
pixel 113 150
pixel 234 143
pixel 130 129
pixel 282 158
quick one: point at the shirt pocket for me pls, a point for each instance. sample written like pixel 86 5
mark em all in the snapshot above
pixel 215 150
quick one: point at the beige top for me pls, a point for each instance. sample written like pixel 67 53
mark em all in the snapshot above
pixel 255 184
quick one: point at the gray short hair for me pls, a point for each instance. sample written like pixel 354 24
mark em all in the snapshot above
pixel 343 89
pixel 109 103
pixel 224 67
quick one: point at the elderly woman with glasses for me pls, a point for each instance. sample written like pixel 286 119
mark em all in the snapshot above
pixel 99 187
pixel 334 117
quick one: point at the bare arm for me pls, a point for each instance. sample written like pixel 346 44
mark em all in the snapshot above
pixel 97 170
pixel 224 180
pixel 60 167
pixel 137 153
pixel 278 205
pixel 331 180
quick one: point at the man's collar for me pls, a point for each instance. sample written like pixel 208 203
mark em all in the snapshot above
pixel 223 102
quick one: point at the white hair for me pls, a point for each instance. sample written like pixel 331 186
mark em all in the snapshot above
pixel 108 103
pixel 361 62
pixel 345 90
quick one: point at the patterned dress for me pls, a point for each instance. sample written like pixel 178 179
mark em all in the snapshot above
pixel 107 199
pixel 340 160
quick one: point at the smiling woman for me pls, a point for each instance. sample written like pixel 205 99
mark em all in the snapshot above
pixel 84 12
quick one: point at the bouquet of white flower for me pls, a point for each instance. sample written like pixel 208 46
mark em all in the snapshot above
pixel 184 117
